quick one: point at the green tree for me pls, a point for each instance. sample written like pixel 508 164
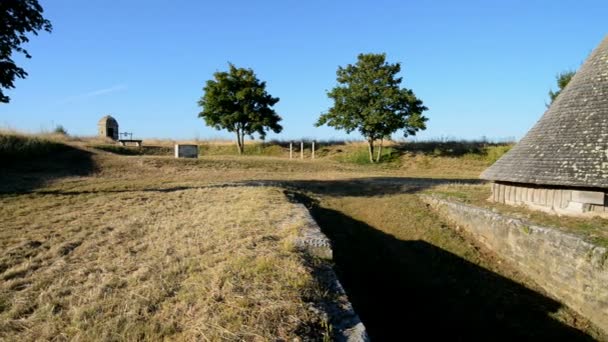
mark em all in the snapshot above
pixel 562 81
pixel 238 102
pixel 17 19
pixel 368 98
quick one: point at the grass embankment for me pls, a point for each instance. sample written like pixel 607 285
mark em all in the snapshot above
pixel 15 147
pixel 592 229
pixel 200 264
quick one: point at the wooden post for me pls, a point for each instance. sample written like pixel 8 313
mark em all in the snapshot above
pixel 313 150
pixel 291 150
pixel 301 150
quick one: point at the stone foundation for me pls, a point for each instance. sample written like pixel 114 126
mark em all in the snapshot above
pixel 566 201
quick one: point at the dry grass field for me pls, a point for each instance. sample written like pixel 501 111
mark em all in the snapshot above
pixel 196 264
pixel 105 246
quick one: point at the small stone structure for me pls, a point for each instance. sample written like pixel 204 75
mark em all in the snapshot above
pixel 567 267
pixel 107 127
pixel 186 151
pixel 561 165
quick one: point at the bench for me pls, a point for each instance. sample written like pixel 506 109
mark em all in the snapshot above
pixel 125 142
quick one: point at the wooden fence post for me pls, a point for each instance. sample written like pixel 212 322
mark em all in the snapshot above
pixel 291 150
pixel 301 150
pixel 313 150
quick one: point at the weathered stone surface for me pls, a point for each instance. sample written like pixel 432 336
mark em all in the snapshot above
pixel 186 151
pixel 567 267
pixel 346 324
pixel 568 146
pixel 561 201
pixel 311 239
pixel 107 127
pixel 590 197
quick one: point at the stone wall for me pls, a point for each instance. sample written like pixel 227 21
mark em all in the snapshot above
pixel 346 325
pixel 566 201
pixel 568 268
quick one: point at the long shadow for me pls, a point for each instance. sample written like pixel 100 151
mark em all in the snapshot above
pixel 402 289
pixel 24 173
pixel 372 186
pixel 365 187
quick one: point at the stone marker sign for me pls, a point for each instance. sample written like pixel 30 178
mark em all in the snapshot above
pixel 186 151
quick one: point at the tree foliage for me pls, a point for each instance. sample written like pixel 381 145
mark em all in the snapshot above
pixel 238 102
pixel 368 98
pixel 562 80
pixel 17 19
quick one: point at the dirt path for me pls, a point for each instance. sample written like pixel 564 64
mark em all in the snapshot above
pixel 404 270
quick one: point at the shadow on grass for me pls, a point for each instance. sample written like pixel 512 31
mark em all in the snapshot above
pixel 364 187
pixel 373 186
pixel 412 288
pixel 32 170
pixel 135 150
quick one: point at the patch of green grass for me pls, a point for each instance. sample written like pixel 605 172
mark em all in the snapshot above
pixel 360 156
pixel 462 192
pixel 493 153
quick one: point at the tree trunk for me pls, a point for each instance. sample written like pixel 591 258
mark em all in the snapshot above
pixel 370 143
pixel 239 141
pixel 379 151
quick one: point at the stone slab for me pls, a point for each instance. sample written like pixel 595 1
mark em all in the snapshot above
pixel 588 197
pixel 186 151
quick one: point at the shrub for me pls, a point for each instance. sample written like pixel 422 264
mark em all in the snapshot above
pixel 493 153
pixel 60 130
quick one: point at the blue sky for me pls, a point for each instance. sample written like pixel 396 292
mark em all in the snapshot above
pixel 482 67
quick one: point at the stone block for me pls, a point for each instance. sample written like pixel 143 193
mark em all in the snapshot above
pixel 536 198
pixel 186 151
pixel 566 195
pixel 577 207
pixel 557 198
pixel 543 196
pixel 589 197
pixel 550 196
pixel 501 193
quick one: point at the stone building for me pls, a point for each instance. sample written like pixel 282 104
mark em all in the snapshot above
pixel 108 127
pixel 561 165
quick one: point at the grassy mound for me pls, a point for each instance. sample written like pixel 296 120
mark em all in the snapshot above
pixel 20 147
pixel 29 162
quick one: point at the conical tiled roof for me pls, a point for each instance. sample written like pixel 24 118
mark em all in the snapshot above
pixel 569 144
